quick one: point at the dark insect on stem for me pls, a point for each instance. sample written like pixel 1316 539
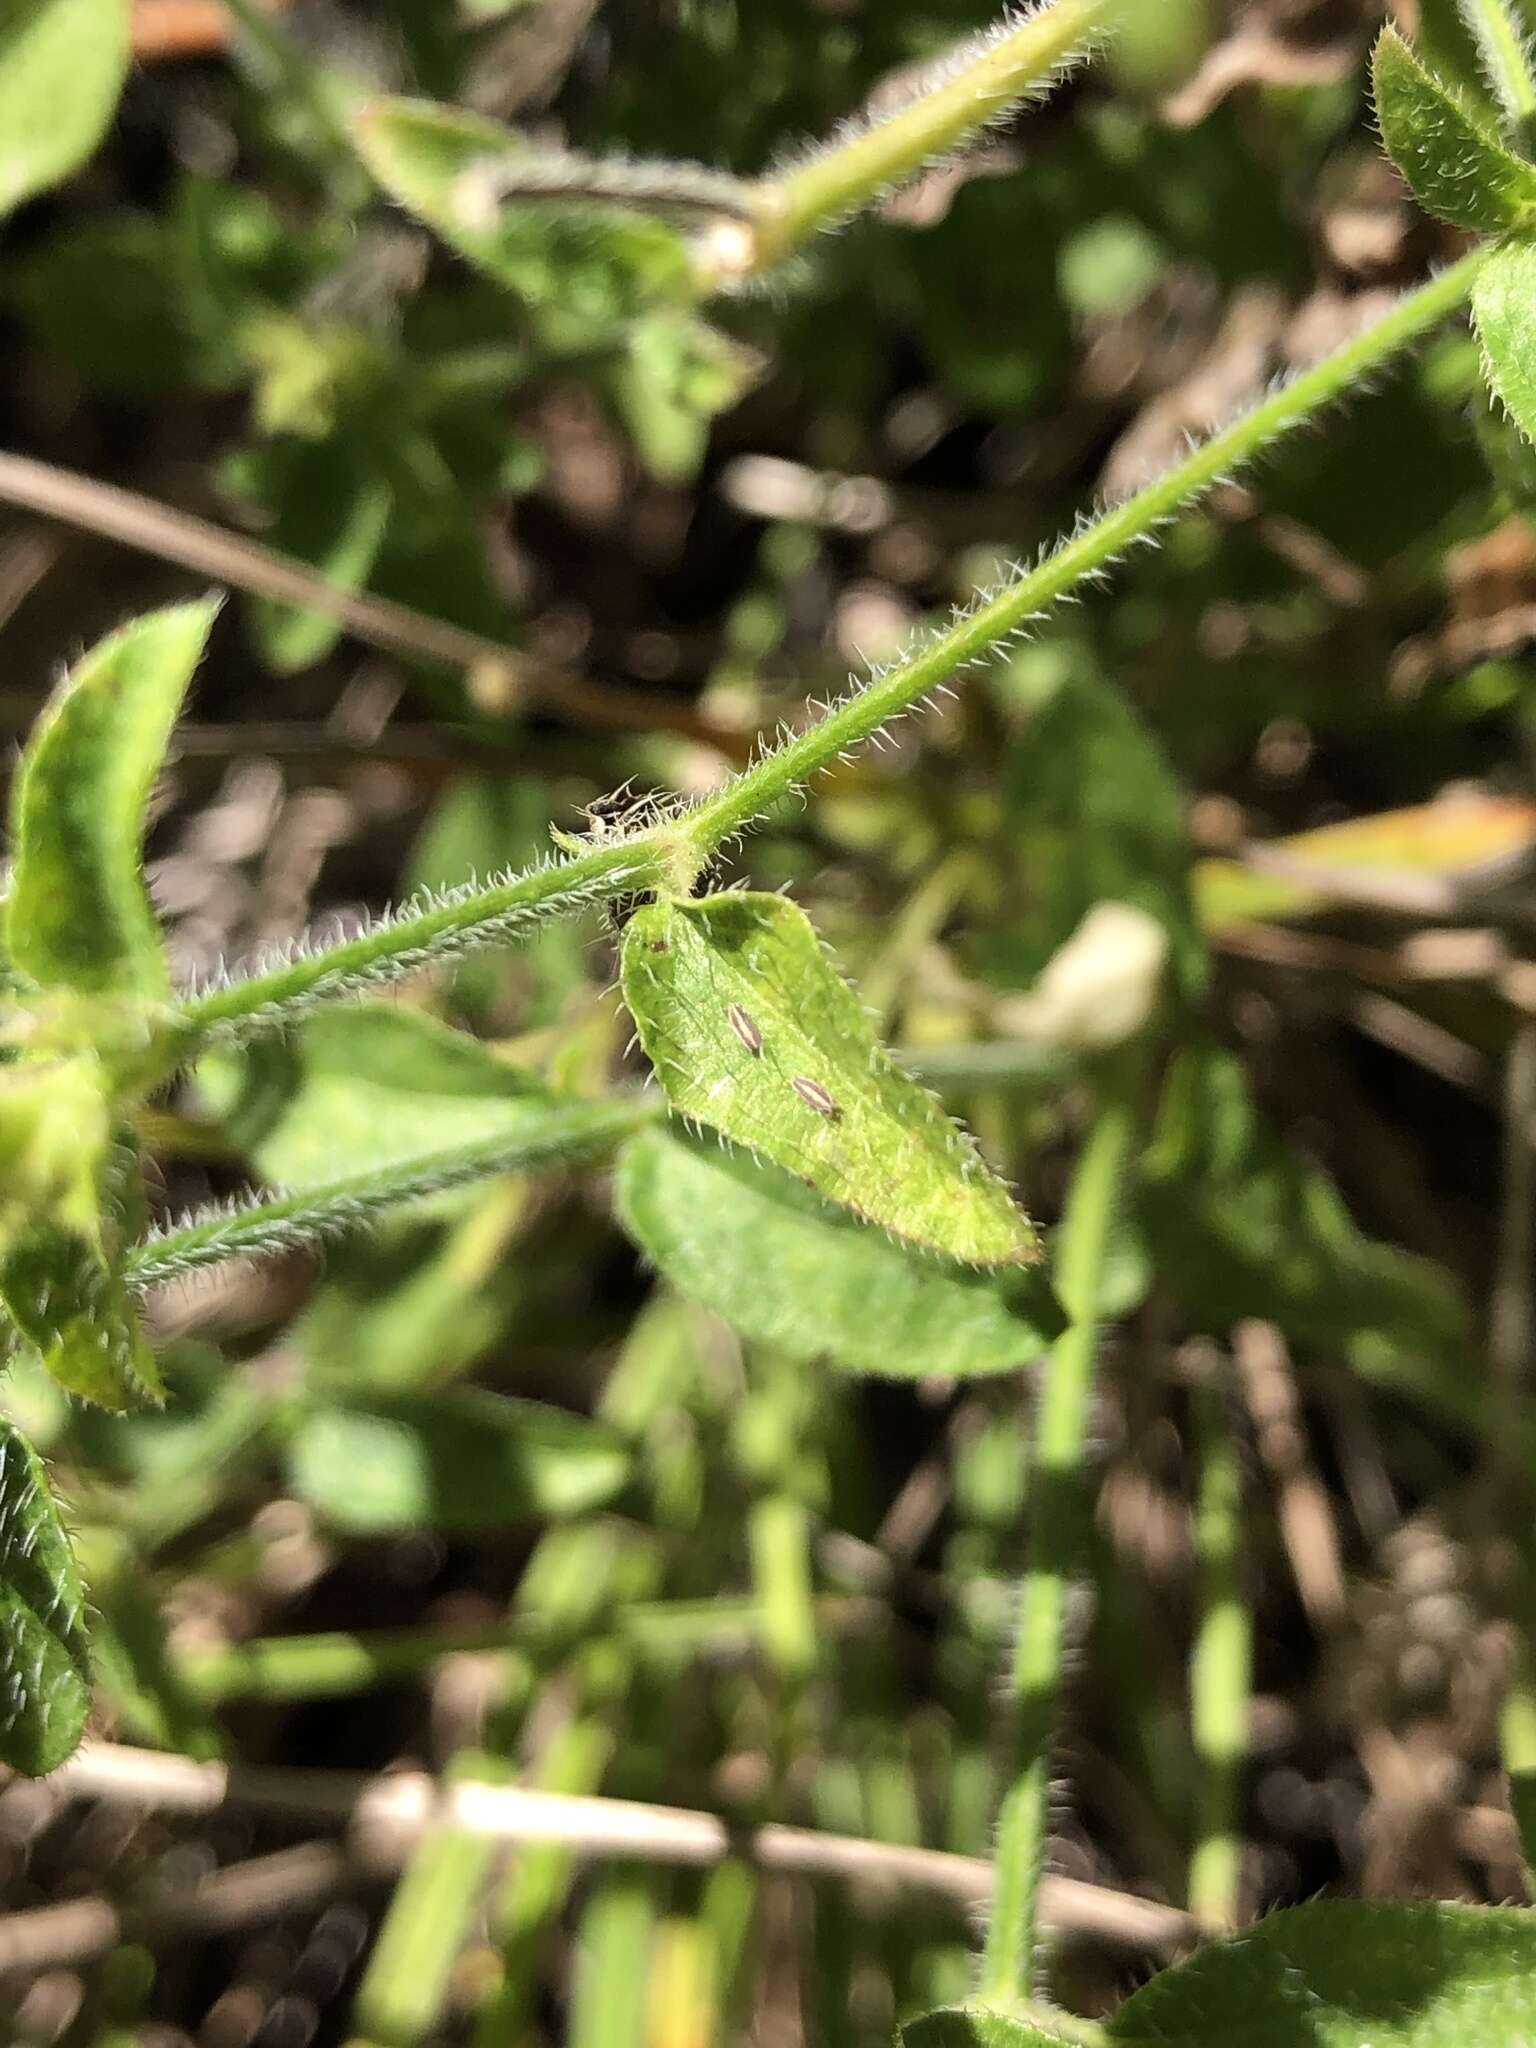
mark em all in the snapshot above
pixel 814 1096
pixel 744 1024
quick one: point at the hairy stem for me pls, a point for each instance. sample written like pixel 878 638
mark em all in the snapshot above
pixel 1087 554
pixel 1221 1667
pixel 285 1222
pixel 1506 60
pixel 418 936
pixel 679 849
pixel 1056 1515
pixel 975 87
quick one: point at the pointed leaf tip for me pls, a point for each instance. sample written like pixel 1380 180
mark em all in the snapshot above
pixel 1454 162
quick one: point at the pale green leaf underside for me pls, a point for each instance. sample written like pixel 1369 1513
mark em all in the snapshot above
pixel 45 1692
pixel 367 1089
pixel 1344 1974
pixel 1504 311
pixel 78 915
pixel 752 1031
pixel 1455 165
pixel 461 1459
pixel 62 66
pixel 785 1268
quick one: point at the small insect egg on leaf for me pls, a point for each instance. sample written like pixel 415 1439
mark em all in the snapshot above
pixel 744 1024
pixel 814 1096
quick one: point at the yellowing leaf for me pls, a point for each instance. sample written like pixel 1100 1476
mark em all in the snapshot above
pixel 752 1031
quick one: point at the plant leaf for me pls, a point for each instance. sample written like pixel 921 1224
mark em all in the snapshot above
pixel 752 1031
pixel 1341 1973
pixel 460 1459
pixel 61 1277
pixel 972 2026
pixel 787 1269
pixel 78 915
pixel 330 512
pixel 1454 163
pixel 1504 313
pixel 45 1691
pixel 367 1089
pixel 426 156
pixel 62 66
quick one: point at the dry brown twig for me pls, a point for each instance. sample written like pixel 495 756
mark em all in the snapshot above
pixel 210 550
pixel 385 1814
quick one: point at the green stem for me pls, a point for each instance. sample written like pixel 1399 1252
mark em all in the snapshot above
pixel 286 1222
pixel 1088 553
pixel 1221 1667
pixel 1056 1514
pixel 966 93
pixel 674 852
pixel 1506 60
pixel 419 936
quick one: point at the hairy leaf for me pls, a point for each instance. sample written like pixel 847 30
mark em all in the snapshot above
pixel 1504 311
pixel 1455 164
pixel 461 1459
pixel 752 1031
pixel 358 1090
pixel 1340 1974
pixel 62 66
pixel 45 1690
pixel 1335 1974
pixel 78 915
pixel 787 1269
pixel 431 159
pixel 61 1281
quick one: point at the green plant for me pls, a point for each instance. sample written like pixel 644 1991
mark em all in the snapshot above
pixel 792 1176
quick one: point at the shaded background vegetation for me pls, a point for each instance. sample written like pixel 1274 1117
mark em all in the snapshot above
pixel 680 539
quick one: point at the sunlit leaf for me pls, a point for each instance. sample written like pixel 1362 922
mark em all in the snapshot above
pixel 460 1459
pixel 787 1269
pixel 1504 311
pixel 62 66
pixel 1454 163
pixel 752 1031
pixel 78 915
pixel 1341 1974
pixel 45 1692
